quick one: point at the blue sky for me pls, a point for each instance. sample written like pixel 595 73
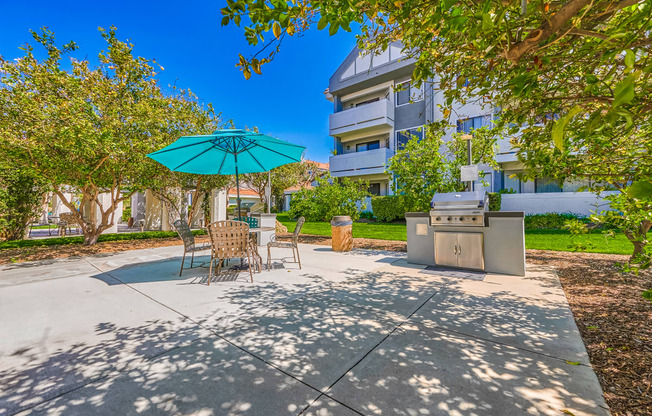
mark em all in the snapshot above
pixel 186 38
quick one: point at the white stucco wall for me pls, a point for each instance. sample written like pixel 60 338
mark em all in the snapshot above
pixel 580 203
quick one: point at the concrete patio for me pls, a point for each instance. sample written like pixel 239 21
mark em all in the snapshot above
pixel 351 333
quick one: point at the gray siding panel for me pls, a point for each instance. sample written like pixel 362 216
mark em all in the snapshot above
pixel 410 115
pixel 377 75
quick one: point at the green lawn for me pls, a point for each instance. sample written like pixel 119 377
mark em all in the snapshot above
pixel 556 240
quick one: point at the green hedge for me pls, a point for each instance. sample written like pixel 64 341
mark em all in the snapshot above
pixel 495 201
pixel 390 208
pixel 80 239
pixel 550 221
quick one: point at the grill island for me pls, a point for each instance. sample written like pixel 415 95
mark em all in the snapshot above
pixel 460 232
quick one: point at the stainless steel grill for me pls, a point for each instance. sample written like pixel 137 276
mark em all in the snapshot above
pixel 460 209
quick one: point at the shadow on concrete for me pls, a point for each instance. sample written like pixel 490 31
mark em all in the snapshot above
pixel 379 342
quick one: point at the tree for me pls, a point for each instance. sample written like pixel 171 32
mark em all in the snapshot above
pixel 21 194
pixel 431 165
pixel 572 78
pixel 90 129
pixel 282 177
pixel 331 196
pixel 173 186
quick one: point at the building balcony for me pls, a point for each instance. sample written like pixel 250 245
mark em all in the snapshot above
pixel 373 117
pixel 370 162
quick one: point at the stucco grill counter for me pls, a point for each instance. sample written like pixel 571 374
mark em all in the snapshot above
pixel 459 232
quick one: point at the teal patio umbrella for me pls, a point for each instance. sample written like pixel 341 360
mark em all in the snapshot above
pixel 228 152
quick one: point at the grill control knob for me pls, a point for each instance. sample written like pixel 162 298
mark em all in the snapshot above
pixel 438 219
pixel 450 218
pixel 473 219
pixel 461 218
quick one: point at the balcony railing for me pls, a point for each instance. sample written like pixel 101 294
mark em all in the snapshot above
pixel 377 115
pixel 360 163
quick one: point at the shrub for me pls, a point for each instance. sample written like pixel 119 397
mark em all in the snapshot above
pixel 367 215
pixel 126 214
pixel 495 201
pixel 390 208
pixel 21 195
pixel 331 196
pixel 550 221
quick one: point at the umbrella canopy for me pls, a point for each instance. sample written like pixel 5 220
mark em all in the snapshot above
pixel 228 152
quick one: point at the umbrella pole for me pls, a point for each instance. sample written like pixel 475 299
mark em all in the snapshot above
pixel 237 186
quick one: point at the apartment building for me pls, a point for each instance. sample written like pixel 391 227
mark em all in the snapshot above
pixel 373 117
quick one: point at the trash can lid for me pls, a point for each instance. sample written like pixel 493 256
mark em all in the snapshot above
pixel 341 220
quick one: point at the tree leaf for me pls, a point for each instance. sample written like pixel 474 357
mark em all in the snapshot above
pixel 624 91
pixel 560 126
pixel 573 362
pixel 323 22
pixel 246 72
pixel 487 23
pixel 630 58
pixel 640 189
pixel 333 28
pixel 255 66
pixel 276 29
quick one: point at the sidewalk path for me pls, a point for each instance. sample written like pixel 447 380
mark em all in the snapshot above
pixel 351 333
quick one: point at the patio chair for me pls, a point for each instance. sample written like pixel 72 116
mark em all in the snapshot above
pixel 251 221
pixel 67 221
pixel 285 244
pixel 189 245
pixel 229 240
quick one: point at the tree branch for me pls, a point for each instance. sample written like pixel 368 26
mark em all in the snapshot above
pixel 547 28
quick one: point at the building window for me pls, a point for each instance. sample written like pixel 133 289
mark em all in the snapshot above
pixel 403 136
pixel 576 186
pixel 544 184
pixel 511 183
pixel 374 189
pixel 469 124
pixel 408 93
pixel 362 147
pixel 373 100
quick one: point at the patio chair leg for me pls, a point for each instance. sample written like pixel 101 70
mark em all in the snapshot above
pixel 250 273
pixel 269 258
pixel 294 256
pixel 298 258
pixel 182 261
pixel 210 271
pixel 192 259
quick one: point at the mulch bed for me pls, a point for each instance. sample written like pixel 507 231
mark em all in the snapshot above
pixel 613 318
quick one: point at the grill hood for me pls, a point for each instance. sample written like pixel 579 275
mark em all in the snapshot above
pixel 460 200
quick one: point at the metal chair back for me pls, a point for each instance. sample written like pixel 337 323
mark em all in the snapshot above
pixel 297 230
pixel 184 232
pixel 252 221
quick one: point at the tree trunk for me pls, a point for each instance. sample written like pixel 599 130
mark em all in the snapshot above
pixel 639 242
pixel 91 237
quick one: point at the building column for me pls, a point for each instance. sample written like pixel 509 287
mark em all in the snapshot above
pixel 155 213
pixel 197 219
pixel 218 205
pixel 57 206
pixel 138 207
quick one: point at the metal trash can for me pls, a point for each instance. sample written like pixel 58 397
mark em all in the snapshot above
pixel 342 233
